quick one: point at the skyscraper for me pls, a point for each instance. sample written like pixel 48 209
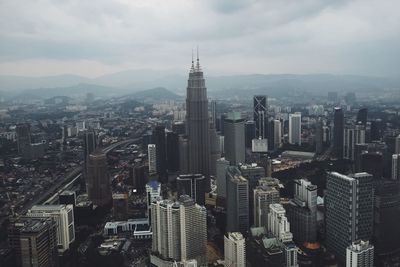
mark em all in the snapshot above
pixel 34 241
pixel 197 123
pixel 158 138
pixel 172 152
pixel 222 165
pixel 179 231
pixel 23 131
pixel 89 143
pixel 277 134
pixel 249 132
pixel 295 129
pixel 362 116
pixel 237 201
pixel 353 135
pixel 260 115
pixel 192 185
pixel 214 113
pixel 360 253
pixel 319 136
pixel 338 128
pixel 302 212
pixel 397 145
pixel 152 157
pixel 396 167
pixel 63 215
pixel 234 141
pixel 279 227
pixel 98 182
pixel 234 249
pixel 349 211
pixel 263 196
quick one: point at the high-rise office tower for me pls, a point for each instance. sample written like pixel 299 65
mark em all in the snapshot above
pixel 234 249
pixel 353 135
pixel 252 173
pixel 34 241
pixel 183 154
pixel 263 196
pixel 215 151
pixel 319 136
pixel 63 215
pixel 260 115
pixel 373 162
pixel 152 157
pixel 360 253
pixel 249 133
pixel 172 152
pixel 237 190
pixel 349 211
pixel 396 167
pixel 158 138
pixel 362 116
pixel 234 141
pixel 295 129
pixel 302 212
pixel 279 227
pixel 386 218
pixel 197 123
pixel 213 105
pixel 23 131
pixel 338 129
pixel 397 145
pixel 193 185
pixel 222 165
pixel 98 182
pixel 277 134
pixel 179 230
pixel 377 128
pixel 153 193
pixel 179 127
pixel 89 143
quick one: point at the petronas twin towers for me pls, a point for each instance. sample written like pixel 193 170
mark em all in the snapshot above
pixel 198 123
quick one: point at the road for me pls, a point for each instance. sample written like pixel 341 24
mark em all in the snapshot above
pixel 73 175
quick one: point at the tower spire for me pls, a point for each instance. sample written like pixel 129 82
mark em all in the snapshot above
pixel 198 61
pixel 192 67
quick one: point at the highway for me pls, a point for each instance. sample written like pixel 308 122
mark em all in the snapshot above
pixel 52 193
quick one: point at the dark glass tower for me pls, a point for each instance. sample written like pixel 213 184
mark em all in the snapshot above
pixel 338 128
pixel 197 123
pixel 89 142
pixel 161 155
pixel 260 115
pixel 172 152
pixel 192 185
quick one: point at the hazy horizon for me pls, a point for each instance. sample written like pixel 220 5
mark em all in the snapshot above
pixel 50 37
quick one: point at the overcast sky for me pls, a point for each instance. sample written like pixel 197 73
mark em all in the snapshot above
pixel 95 37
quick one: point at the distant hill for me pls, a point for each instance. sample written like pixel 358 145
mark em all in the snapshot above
pixel 127 82
pixel 158 93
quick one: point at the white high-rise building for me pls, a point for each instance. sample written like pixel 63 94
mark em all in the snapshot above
pixel 360 254
pixel 295 128
pixel 152 157
pixel 263 196
pixel 64 218
pixel 353 135
pixel 235 250
pixel 396 167
pixel 278 226
pixel 179 230
pixel 153 193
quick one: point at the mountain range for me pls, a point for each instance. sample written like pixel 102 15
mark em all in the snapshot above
pixel 130 82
